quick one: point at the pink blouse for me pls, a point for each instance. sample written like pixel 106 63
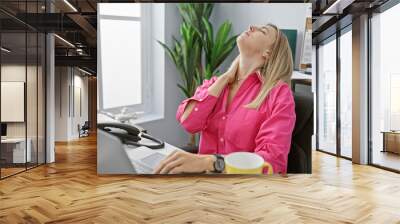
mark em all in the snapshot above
pixel 267 131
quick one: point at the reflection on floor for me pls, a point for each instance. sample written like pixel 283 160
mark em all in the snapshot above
pixel 70 191
pixel 387 159
pixel 346 152
pixel 10 171
pixel 14 169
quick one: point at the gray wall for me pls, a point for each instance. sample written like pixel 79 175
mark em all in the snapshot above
pixel 168 128
pixel 283 15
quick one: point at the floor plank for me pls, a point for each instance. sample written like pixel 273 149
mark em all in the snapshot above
pixel 69 191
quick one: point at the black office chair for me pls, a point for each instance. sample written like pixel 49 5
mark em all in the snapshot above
pixel 84 130
pixel 299 158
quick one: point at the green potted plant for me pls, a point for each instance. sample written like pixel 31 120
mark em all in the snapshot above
pixel 199 53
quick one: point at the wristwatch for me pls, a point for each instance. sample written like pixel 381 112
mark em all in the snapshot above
pixel 219 164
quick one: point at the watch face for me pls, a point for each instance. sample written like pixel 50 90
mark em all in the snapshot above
pixel 219 165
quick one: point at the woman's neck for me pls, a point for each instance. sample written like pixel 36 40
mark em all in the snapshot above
pixel 246 66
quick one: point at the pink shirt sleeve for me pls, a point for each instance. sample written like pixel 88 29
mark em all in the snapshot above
pixel 273 140
pixel 197 119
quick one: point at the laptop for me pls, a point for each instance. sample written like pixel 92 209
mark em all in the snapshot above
pixel 145 160
pixel 114 157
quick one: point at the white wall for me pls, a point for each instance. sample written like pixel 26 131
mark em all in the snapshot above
pixel 79 117
pixel 33 125
pixel 14 72
pixel 61 104
pixel 283 15
pixel 18 73
pixel 66 121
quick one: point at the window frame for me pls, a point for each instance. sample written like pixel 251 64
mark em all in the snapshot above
pixel 342 32
pixel 371 14
pixel 333 37
pixel 146 77
pixel 318 83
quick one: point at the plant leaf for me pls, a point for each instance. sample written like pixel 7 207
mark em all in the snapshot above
pixel 184 90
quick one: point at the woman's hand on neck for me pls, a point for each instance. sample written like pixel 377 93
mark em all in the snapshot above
pixel 247 65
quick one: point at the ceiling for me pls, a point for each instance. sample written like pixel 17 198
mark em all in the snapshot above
pixel 72 20
pixel 76 22
pixel 332 15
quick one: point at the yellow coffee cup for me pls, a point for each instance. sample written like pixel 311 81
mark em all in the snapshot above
pixel 245 163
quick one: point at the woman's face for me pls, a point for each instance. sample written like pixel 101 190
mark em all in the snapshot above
pixel 257 40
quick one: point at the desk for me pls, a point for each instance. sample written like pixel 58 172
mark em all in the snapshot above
pixel 391 141
pixel 13 150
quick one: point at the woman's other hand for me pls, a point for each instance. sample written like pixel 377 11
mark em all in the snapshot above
pixel 231 72
pixel 216 88
pixel 226 78
pixel 184 162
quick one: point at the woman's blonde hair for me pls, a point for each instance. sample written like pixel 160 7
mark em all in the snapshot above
pixel 279 66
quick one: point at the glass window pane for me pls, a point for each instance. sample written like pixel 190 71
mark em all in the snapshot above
pixel 22 92
pixel 327 97
pixel 120 9
pixel 385 114
pixel 346 94
pixel 118 58
pixel 13 87
pixel 31 99
pixel 394 101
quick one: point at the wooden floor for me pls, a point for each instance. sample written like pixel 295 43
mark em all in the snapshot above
pixel 70 191
pixel 10 171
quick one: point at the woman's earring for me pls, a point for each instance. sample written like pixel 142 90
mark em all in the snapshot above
pixel 265 57
pixel 266 54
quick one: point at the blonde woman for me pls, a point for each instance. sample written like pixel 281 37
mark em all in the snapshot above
pixel 248 108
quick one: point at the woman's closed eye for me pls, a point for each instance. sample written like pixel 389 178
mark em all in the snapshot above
pixel 264 30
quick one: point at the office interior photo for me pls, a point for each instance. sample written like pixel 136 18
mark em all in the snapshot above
pixel 46 83
pixel 60 58
pixel 156 87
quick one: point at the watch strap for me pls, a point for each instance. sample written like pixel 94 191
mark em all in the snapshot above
pixel 218 158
